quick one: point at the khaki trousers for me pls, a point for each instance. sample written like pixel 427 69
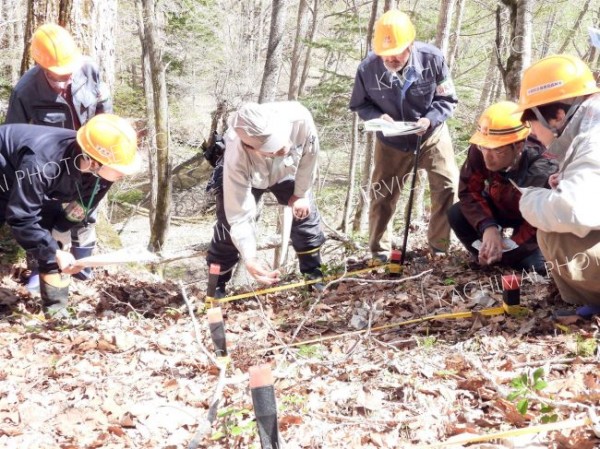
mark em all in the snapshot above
pixel 393 168
pixel 574 263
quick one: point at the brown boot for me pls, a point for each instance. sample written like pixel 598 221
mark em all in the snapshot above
pixel 54 289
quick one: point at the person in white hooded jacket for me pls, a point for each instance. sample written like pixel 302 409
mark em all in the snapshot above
pixel 561 100
pixel 268 147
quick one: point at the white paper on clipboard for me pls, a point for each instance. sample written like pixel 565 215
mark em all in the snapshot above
pixel 126 255
pixel 390 129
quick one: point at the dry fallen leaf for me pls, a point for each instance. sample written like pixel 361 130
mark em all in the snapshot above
pixel 116 430
pixel 289 420
pixel 510 412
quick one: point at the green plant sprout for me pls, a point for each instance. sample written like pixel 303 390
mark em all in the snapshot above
pixel 527 386
pixel 235 422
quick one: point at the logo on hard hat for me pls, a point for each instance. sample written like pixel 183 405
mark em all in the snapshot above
pixel 387 41
pixel 484 127
pixel 108 154
pixel 543 87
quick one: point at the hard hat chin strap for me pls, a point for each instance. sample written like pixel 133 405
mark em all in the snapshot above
pixel 557 131
pixel 544 122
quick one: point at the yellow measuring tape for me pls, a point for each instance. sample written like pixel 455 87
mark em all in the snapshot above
pixel 492 311
pixel 210 302
pixel 569 424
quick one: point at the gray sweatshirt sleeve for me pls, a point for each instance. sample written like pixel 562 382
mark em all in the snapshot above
pixel 307 166
pixel 240 206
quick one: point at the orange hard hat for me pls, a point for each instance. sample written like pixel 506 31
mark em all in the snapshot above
pixel 555 78
pixel 54 49
pixel 500 125
pixel 394 32
pixel 112 141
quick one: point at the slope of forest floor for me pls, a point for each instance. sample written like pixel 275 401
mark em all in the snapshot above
pixel 127 370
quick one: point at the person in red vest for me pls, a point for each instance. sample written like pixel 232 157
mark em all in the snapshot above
pixel 502 152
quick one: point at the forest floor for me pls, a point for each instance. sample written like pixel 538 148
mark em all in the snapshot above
pixel 128 370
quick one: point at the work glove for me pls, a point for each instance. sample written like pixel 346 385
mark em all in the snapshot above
pixel 63 238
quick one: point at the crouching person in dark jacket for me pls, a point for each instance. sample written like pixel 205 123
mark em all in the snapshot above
pixel 75 168
pixel 501 152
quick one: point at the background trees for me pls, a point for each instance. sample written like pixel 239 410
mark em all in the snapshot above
pixel 209 56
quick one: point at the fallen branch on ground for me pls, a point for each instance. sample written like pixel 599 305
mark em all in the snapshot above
pixel 205 425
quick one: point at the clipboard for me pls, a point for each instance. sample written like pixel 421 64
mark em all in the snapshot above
pixel 390 129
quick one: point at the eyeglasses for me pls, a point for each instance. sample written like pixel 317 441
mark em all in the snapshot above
pixel 90 161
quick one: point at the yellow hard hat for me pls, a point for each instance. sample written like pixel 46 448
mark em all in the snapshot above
pixel 112 141
pixel 53 48
pixel 500 125
pixel 555 78
pixel 394 32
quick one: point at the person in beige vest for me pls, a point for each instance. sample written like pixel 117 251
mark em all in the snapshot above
pixel 561 100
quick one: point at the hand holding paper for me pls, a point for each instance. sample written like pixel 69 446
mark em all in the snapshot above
pixel 507 245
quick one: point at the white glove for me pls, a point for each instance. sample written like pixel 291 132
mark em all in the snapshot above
pixel 63 239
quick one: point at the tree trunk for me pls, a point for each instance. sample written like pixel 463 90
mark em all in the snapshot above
pixel 301 30
pixel 307 59
pixel 455 37
pixel 361 215
pixel 104 17
pixel 442 37
pixel 497 86
pixel 576 26
pixel 250 36
pixel 387 5
pixel 547 33
pixel 160 225
pixel 11 38
pixel 418 207
pixel 149 136
pixel 89 21
pixel 519 47
pixel 351 175
pixel 371 27
pixel 273 62
pixel 487 88
pixel 258 31
pixel 218 121
pixel 592 53
pixel 38 12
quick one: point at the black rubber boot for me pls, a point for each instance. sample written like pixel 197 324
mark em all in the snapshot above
pixel 54 289
pixel 224 278
pixel 220 291
pixel 310 267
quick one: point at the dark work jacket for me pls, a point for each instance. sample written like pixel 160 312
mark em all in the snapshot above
pixel 38 163
pixel 484 195
pixel 377 91
pixel 34 101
